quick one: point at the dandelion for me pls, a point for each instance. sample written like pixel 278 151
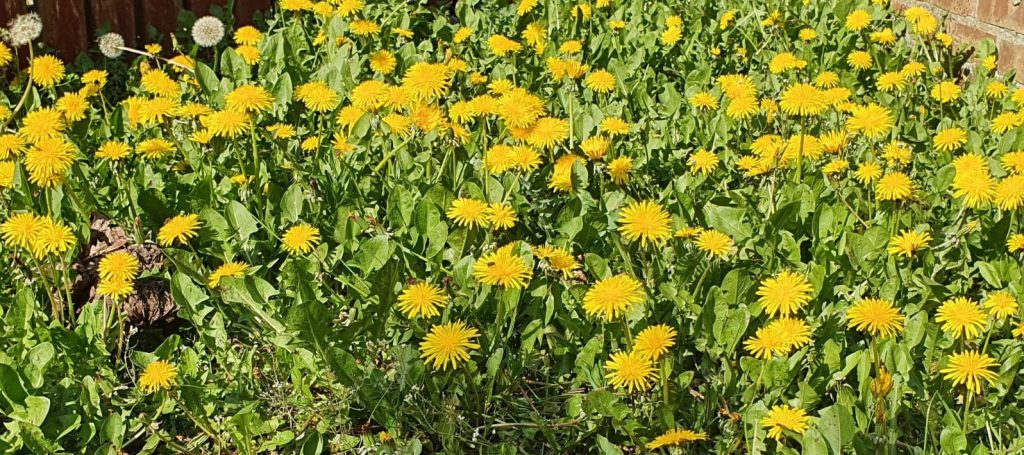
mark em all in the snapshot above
pixel 501 215
pixel 877 317
pixel 945 92
pixel 111 45
pixel 232 269
pixel 207 31
pixel 631 371
pixel 42 123
pixel 1001 304
pixel 654 341
pixel 317 96
pixel 1015 243
pixel 158 375
pixel 53 237
pixel 784 294
pixel 645 221
pixel 115 289
pixel 448 344
pixel 427 80
pixel 468 212
pixel 155 148
pixel 24 29
pixel 619 169
pixel 802 99
pixel 703 162
pixel 20 229
pixel 784 418
pixel 46 70
pixel 908 242
pixel 226 123
pixel 421 300
pixel 676 437
pixel 248 35
pixel 714 243
pixel 119 266
pixel 873 121
pixel 383 62
pixel 600 81
pixel 613 296
pixel 970 368
pixel 249 98
pixel 595 147
pixel 300 239
pixel 179 229
pixel 1009 193
pixel 961 317
pixel 502 268
pixel 949 139
pixel 894 186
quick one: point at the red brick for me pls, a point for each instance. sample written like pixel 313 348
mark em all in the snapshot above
pixel 1002 13
pixel 966 33
pixel 961 7
pixel 1011 57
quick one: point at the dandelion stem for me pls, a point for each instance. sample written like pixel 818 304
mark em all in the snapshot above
pixel 56 308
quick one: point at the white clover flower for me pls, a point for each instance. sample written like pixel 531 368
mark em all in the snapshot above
pixel 111 44
pixel 23 29
pixel 208 31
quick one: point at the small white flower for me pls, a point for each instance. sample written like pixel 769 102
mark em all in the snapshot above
pixel 208 31
pixel 111 44
pixel 23 29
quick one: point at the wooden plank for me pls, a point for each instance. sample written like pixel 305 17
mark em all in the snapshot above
pixel 202 7
pixel 245 10
pixel 162 15
pixel 65 27
pixel 117 16
pixel 9 9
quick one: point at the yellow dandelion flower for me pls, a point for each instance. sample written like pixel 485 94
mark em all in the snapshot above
pixel 448 344
pixel 784 418
pixel 158 375
pixel 503 268
pixel 961 317
pixel 784 294
pixel 421 300
pixel 645 221
pixel 970 368
pixel 613 296
pixel 631 371
pixel 226 270
pixel 179 229
pixel 908 242
pixel 654 341
pixel 300 239
pixel 877 317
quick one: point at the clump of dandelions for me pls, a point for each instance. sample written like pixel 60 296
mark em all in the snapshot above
pixel 207 31
pixel 111 45
pixel 23 29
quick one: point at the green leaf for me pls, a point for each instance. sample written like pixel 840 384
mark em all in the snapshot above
pixel 292 203
pixel 607 447
pixel 244 223
pixel 38 360
pixel 245 292
pixel 728 220
pixel 836 426
pixel 373 254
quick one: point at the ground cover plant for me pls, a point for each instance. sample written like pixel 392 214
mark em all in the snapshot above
pixel 529 227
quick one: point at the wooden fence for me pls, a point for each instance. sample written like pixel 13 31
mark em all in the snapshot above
pixel 71 26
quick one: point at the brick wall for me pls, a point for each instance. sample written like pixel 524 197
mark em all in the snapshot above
pixel 970 21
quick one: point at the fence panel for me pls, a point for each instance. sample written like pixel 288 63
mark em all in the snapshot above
pixel 71 26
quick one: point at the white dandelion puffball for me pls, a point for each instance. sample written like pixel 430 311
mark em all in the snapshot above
pixel 208 31
pixel 23 29
pixel 111 44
